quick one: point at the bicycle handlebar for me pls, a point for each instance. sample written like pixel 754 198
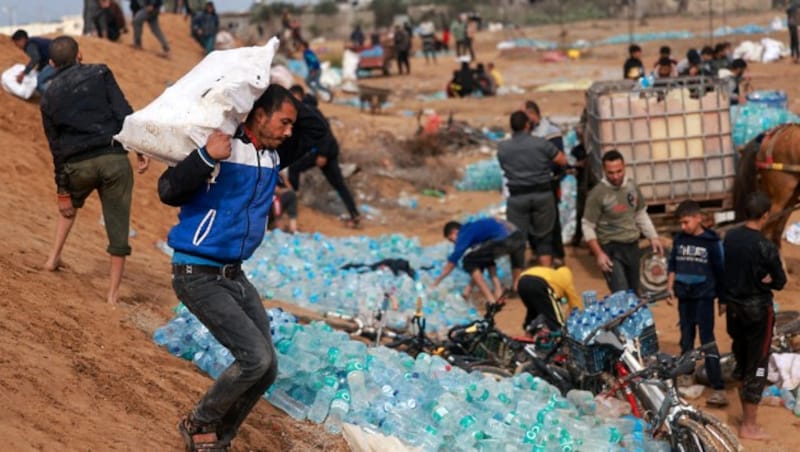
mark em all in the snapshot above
pixel 674 366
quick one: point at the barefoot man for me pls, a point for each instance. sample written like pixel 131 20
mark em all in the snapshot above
pixel 753 270
pixel 82 110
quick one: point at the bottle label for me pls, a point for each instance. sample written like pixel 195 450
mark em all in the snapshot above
pixel 339 404
pixel 439 413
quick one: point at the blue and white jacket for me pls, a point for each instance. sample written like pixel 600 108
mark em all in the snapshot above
pixel 225 205
pixel 223 216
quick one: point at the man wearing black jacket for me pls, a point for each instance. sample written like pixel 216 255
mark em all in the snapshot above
pixel 752 271
pixel 82 110
pixel 324 154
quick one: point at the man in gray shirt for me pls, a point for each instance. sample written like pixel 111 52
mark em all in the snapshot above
pixel 526 163
pixel 614 218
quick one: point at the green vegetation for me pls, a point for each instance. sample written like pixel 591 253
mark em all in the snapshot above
pixel 326 8
pixel 385 10
pixel 262 12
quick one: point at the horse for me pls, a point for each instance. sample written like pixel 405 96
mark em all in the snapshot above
pixel 771 163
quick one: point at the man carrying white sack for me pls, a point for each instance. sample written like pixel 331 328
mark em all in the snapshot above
pixel 222 221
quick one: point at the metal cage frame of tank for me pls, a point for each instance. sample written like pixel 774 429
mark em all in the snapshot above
pixel 666 182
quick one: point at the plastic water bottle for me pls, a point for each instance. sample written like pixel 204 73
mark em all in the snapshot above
pixel 789 400
pixel 356 381
pixel 797 405
pixel 589 298
pixel 285 402
pixel 322 402
pixel 340 405
pixel 583 401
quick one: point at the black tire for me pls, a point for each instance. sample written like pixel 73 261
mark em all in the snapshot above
pixel 726 439
pixel 693 436
pixel 490 370
pixel 726 361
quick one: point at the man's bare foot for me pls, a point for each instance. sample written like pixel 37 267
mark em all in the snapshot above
pixel 112 299
pixel 53 265
pixel 754 432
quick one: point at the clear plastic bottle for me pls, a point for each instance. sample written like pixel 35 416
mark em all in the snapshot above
pixel 322 402
pixel 340 405
pixel 356 381
pixel 285 402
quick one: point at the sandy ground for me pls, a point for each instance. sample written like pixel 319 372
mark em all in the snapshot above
pixel 77 374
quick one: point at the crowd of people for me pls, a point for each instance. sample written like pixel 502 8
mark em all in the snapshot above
pixel 710 61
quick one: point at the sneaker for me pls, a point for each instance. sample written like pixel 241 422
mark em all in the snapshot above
pixel 717 399
pixel 684 381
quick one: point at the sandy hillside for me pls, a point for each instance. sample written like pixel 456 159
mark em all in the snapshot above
pixel 79 375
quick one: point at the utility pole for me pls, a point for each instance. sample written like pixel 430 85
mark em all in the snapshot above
pixel 710 23
pixel 631 20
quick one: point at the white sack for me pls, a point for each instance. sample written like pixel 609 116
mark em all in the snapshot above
pixel 217 94
pixel 224 41
pixel 25 89
pixel 280 75
pixel 784 370
pixel 773 50
pixel 748 51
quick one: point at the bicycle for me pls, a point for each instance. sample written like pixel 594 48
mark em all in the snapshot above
pixel 652 390
pixel 476 346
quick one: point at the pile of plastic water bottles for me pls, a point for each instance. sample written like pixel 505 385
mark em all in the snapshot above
pixel 773 395
pixel 306 270
pixel 326 378
pixel 484 175
pixel 597 312
pixel 753 118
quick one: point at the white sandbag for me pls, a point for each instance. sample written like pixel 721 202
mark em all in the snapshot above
pixel 773 50
pixel 281 75
pixel 25 89
pixel 748 51
pixel 329 77
pixel 224 41
pixel 217 94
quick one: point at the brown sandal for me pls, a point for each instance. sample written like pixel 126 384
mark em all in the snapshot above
pixel 200 438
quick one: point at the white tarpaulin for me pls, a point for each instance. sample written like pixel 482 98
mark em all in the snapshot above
pixel 217 94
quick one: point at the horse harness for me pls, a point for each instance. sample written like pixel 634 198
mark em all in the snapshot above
pixel 769 163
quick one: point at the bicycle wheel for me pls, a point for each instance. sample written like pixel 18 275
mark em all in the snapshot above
pixel 726 439
pixel 787 322
pixel 692 436
pixel 490 370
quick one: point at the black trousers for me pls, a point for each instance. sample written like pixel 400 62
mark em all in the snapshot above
pixel 624 274
pixel 793 42
pixel 231 309
pixel 332 172
pixel 750 327
pixel 538 298
pixel 402 61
